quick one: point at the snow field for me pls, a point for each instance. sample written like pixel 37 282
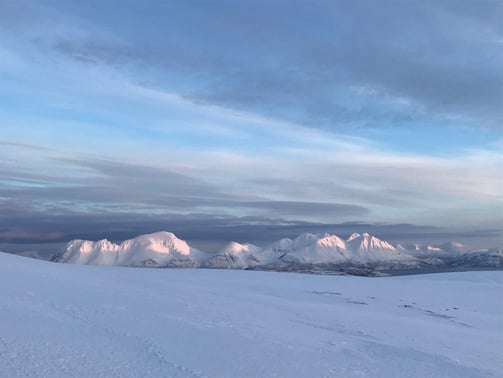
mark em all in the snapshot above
pixel 63 320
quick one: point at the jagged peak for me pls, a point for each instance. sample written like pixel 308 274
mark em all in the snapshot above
pixel 306 237
pixel 282 245
pixel 159 235
pixel 354 236
pixel 367 242
pixel 328 240
pixel 452 246
pixel 233 248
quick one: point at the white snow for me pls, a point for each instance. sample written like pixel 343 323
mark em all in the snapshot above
pixel 60 320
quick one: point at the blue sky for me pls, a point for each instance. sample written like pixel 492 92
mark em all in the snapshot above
pixel 250 120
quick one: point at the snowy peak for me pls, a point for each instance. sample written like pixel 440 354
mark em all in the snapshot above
pixel 368 243
pixel 157 249
pixel 304 240
pixel 353 236
pixel 233 256
pixel 101 252
pixel 235 248
pixel 331 241
pixel 453 247
pixel 282 245
pixel 328 251
pixel 315 249
pixel 159 242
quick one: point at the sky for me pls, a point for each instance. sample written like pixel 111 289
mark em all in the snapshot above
pixel 250 120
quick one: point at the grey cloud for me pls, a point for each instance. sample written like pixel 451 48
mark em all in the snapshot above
pixel 285 208
pixel 443 57
pixel 130 177
pixel 47 232
pixel 340 183
pixel 103 185
pixel 14 143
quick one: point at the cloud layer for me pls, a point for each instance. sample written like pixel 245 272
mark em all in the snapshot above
pixel 250 120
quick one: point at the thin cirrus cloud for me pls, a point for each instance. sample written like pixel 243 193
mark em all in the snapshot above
pixel 281 116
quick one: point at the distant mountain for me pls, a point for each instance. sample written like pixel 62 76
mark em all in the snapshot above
pixel 233 256
pixel 449 249
pixel 160 249
pixel 319 252
pixel 31 254
pixel 304 249
pixel 325 249
pixel 453 247
pixel 485 258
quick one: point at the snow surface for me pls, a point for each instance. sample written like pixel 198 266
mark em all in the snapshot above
pixel 60 320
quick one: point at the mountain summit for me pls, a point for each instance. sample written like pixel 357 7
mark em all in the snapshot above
pixel 160 249
pixel 306 251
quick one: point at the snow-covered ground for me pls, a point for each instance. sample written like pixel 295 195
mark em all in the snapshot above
pixel 91 321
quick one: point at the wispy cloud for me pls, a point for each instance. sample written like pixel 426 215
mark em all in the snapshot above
pixel 420 53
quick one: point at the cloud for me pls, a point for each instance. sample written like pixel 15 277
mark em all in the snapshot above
pixel 370 186
pixel 49 232
pixel 397 198
pixel 229 114
pixel 302 208
pixel 13 143
pixel 430 61
pixel 110 185
pixel 13 236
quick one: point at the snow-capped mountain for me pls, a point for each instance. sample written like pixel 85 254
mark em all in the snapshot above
pixel 365 247
pixel 306 251
pixel 449 249
pixel 317 249
pixel 453 247
pixel 233 256
pixel 160 249
pixel 485 258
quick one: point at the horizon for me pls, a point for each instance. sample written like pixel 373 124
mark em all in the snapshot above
pixel 209 247
pixel 222 121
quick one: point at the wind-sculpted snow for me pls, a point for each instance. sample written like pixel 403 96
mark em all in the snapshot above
pixel 318 251
pixel 61 320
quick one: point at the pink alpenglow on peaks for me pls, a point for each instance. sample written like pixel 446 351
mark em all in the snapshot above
pixel 157 249
pixel 325 251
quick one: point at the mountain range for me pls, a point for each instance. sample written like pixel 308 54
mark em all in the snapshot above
pixel 360 253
